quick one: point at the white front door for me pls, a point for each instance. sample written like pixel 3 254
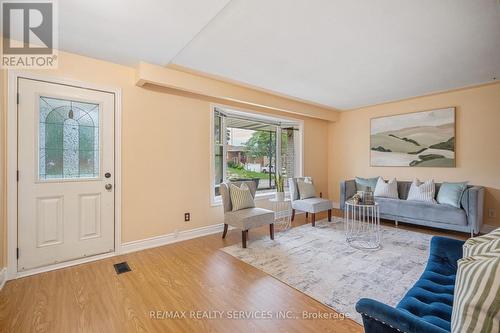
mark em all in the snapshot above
pixel 66 173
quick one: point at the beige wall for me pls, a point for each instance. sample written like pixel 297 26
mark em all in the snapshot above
pixel 165 162
pixel 165 151
pixel 477 141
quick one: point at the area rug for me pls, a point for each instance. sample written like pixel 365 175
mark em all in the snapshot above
pixel 318 262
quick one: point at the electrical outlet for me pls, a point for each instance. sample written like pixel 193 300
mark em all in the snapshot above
pixel 187 217
pixel 492 213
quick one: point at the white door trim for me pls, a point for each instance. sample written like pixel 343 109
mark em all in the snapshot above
pixel 12 199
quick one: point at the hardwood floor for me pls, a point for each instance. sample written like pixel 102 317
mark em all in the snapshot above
pixel 186 276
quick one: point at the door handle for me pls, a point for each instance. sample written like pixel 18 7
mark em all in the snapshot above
pixel 108 187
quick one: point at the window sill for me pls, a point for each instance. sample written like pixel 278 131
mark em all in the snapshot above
pixel 217 201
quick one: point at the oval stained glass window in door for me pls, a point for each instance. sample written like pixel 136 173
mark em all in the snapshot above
pixel 68 139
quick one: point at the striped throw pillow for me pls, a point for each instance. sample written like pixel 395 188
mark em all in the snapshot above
pixel 241 197
pixel 476 306
pixel 306 188
pixel 486 247
pixel 479 244
pixel 422 191
pixel 386 190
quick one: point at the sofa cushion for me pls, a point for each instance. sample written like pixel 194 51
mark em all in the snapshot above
pixel 422 211
pixel 451 193
pixel 476 294
pixel 249 218
pixel 481 244
pixel 484 248
pixel 422 191
pixel 312 205
pixel 404 189
pixel 387 189
pixel 427 306
pixel 431 298
pixel 365 184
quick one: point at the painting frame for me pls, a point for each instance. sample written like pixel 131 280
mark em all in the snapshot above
pixel 441 154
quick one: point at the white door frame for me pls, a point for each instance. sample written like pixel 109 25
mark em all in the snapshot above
pixel 12 148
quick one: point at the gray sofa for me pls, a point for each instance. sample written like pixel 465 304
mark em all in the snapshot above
pixel 468 218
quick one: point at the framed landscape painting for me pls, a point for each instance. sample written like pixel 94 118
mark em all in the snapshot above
pixel 418 139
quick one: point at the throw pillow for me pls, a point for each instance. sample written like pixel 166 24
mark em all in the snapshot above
pixel 306 188
pixel 241 197
pixel 480 243
pixel 475 301
pixel 422 191
pixel 386 189
pixel 451 193
pixel 484 248
pixel 363 184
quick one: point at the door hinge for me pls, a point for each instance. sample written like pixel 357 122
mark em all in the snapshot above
pixel 17 175
pixel 17 253
pixel 17 98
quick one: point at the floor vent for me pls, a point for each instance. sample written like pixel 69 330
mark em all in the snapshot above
pixel 122 267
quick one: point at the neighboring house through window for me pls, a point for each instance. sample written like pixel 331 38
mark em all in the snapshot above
pixel 255 148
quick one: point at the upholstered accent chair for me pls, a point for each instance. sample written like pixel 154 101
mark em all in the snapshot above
pixel 428 305
pixel 244 219
pixel 309 205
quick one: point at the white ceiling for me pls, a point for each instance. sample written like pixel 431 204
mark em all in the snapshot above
pixel 129 31
pixel 340 53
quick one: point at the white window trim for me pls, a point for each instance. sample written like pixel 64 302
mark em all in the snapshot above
pixel 217 200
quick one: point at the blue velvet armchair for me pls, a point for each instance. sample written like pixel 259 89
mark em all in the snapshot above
pixel 427 306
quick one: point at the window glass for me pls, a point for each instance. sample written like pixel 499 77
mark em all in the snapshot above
pixel 247 149
pixel 218 151
pixel 251 155
pixel 68 139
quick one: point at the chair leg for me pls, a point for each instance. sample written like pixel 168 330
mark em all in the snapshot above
pixel 293 214
pixel 313 219
pixel 396 222
pixel 224 233
pixel 329 215
pixel 307 215
pixel 271 230
pixel 244 235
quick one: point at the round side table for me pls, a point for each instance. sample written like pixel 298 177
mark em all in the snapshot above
pixel 282 213
pixel 362 225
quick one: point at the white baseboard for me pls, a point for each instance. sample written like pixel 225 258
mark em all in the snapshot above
pixel 125 248
pixel 53 267
pixel 486 228
pixel 156 241
pixel 3 277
